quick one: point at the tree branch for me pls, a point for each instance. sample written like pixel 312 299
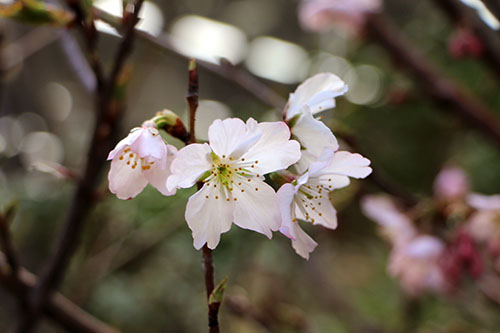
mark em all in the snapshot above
pixel 58 308
pixel 460 14
pixel 104 136
pixel 442 89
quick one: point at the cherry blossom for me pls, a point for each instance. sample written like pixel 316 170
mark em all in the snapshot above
pixel 313 96
pixel 484 223
pixel 451 184
pixel 308 197
pixel 415 259
pixel 348 15
pixel 231 168
pixel 140 158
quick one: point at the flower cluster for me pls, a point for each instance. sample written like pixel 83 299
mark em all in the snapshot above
pixel 437 243
pixel 300 152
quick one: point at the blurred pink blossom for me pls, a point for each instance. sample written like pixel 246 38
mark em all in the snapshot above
pixel 451 184
pixel 417 265
pixel 323 15
pixel 415 259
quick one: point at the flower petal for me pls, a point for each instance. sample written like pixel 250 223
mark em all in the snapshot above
pixel 348 164
pixel 303 243
pixel 320 210
pixel 314 137
pixel 230 136
pixel 484 202
pixel 189 165
pixel 208 218
pixel 127 141
pixel 317 92
pixel 285 200
pixel 274 150
pixel 158 176
pixel 124 181
pixel 149 144
pixel 256 207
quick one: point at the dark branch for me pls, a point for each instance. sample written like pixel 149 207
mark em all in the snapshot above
pixel 442 89
pixel 104 136
pixel 65 313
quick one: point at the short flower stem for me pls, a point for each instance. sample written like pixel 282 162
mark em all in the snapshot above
pixel 213 308
pixel 208 263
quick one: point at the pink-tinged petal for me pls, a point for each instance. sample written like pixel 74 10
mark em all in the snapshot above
pixel 396 225
pixel 230 136
pixel 317 92
pixel 451 183
pixel 314 137
pixel 256 207
pixel 484 202
pixel 149 144
pixel 483 225
pixel 319 209
pixel 348 164
pixel 285 199
pixel 208 218
pixel 158 176
pixel 127 141
pixel 303 243
pixel 425 247
pixel 189 165
pixel 124 181
pixel 274 150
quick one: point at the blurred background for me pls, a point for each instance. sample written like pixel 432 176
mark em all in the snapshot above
pixel 136 268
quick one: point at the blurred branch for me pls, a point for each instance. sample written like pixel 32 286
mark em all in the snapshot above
pixel 225 70
pixel 104 136
pixel 442 89
pixel 243 309
pixel 77 60
pixel 58 307
pixel 463 15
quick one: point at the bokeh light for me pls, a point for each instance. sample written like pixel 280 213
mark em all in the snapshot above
pixel 277 60
pixel 208 40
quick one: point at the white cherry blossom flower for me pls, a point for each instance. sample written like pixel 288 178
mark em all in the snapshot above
pixel 231 167
pixel 140 158
pixel 308 197
pixel 484 224
pixel 314 95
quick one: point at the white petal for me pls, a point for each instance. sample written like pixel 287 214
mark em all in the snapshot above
pixel 124 181
pixel 256 207
pixel 158 176
pixel 314 137
pixel 208 217
pixel 127 141
pixel 425 246
pixel 285 200
pixel 382 210
pixel 484 202
pixel 274 150
pixel 149 144
pixel 189 165
pixel 317 92
pixel 230 136
pixel 348 164
pixel 303 243
pixel 320 210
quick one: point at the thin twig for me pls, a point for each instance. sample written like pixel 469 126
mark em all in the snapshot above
pixel 192 98
pixel 65 313
pixel 442 89
pixel 104 136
